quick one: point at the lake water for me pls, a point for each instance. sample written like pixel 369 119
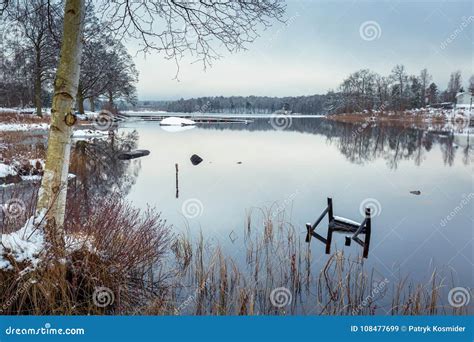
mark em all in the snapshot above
pixel 296 165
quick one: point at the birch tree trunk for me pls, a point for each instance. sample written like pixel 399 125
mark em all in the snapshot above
pixel 53 191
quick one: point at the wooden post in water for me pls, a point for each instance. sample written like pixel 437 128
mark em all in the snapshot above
pixel 330 211
pixel 177 184
pixel 368 228
pixel 331 218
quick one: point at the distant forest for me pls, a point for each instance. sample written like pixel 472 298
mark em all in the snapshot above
pixel 363 90
pixel 313 104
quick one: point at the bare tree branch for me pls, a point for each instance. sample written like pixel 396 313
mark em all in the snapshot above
pixel 175 27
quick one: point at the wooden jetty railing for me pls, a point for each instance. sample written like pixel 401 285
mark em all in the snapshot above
pixel 339 224
pixel 196 119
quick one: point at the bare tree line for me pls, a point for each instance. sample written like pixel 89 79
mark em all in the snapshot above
pixel 398 91
pixel 32 43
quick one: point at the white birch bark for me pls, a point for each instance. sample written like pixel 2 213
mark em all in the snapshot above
pixel 53 191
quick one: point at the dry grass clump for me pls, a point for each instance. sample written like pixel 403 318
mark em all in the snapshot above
pixel 421 119
pixel 111 259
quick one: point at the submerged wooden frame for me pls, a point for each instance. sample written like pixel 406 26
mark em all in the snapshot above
pixel 337 225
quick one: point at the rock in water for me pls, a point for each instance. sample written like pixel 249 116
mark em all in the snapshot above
pixel 133 154
pixel 415 192
pixel 195 159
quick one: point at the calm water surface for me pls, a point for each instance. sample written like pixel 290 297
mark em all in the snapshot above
pixel 295 169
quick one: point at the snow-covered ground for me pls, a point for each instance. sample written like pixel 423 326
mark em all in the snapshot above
pixel 7 170
pixel 25 111
pixel 89 133
pixel 23 127
pixel 34 166
pixel 24 245
pixel 28 244
pixel 87 115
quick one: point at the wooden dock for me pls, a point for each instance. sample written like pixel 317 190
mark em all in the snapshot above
pixel 196 119
pixel 341 225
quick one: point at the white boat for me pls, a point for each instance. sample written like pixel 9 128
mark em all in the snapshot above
pixel 175 121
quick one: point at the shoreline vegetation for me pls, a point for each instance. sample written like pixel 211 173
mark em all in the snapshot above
pixel 139 267
pixel 421 119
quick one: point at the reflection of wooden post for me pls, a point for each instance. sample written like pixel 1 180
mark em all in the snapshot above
pixel 368 231
pixel 177 186
pixel 331 218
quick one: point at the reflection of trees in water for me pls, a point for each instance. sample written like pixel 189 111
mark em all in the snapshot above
pixel 466 152
pixel 362 143
pixel 99 171
pixel 388 143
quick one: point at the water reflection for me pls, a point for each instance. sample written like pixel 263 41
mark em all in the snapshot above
pixel 98 170
pixel 365 143
pixel 294 170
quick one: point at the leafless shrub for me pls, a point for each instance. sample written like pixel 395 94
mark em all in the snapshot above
pixel 117 248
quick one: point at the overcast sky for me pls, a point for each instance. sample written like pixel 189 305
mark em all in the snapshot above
pixel 322 43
